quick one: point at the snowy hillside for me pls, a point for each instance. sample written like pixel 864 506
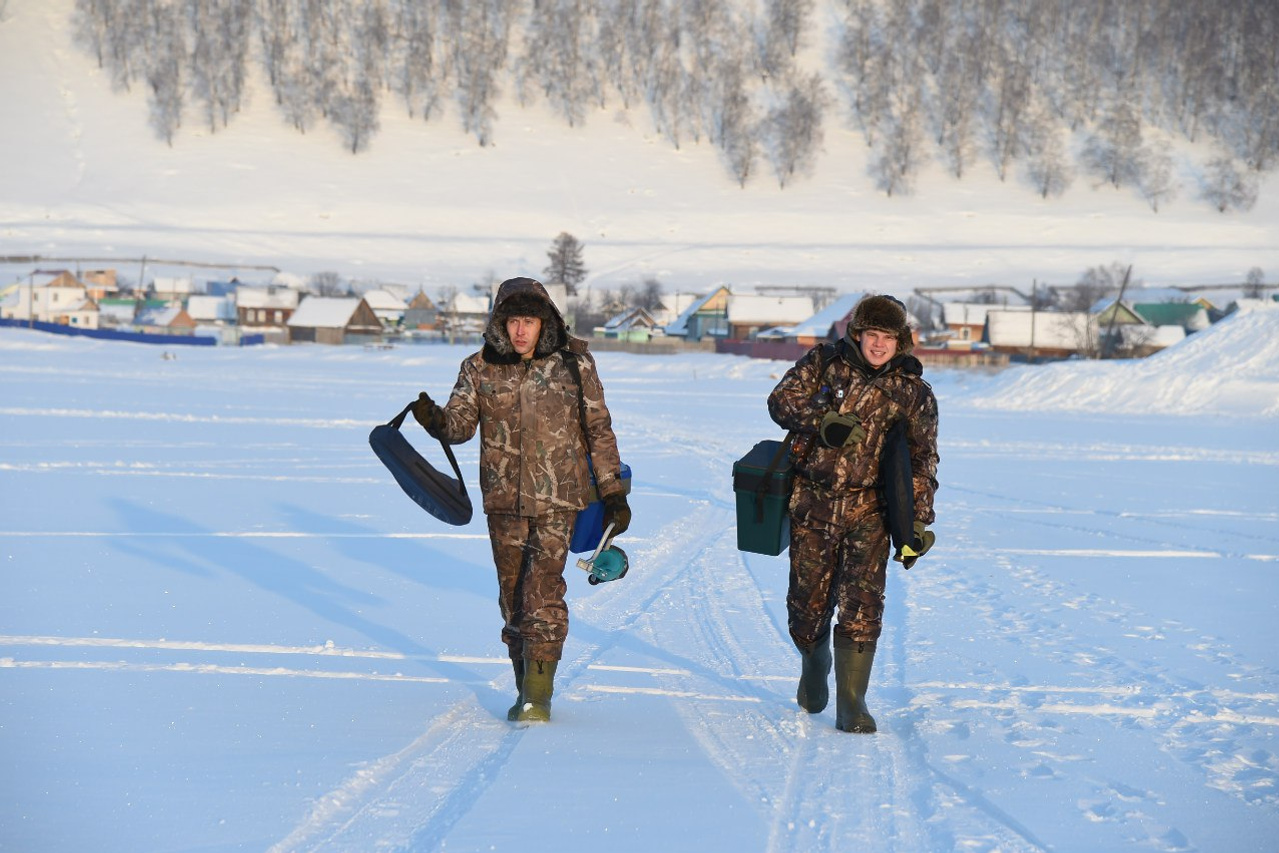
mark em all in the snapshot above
pixel 426 205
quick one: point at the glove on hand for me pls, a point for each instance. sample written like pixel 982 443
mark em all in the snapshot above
pixel 919 545
pixel 429 415
pixel 840 431
pixel 618 513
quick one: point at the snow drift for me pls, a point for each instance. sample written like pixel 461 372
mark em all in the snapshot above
pixel 1230 369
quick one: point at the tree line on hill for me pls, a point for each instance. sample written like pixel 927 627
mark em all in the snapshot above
pixel 1041 89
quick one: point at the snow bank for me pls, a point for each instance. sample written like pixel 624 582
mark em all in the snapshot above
pixel 1230 369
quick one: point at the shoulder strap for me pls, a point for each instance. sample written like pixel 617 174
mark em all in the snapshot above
pixel 398 420
pixel 570 363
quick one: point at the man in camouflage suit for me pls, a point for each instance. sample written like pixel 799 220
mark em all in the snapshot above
pixel 840 400
pixel 522 393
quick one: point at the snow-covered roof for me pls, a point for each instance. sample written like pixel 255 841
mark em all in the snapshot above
pixel 1047 329
pixel 63 279
pixel 210 308
pixel 158 316
pixel 679 326
pixel 172 284
pixel 635 317
pixel 289 280
pixel 384 300
pixel 262 297
pixel 744 308
pixel 972 313
pixel 465 303
pixel 819 324
pixel 324 312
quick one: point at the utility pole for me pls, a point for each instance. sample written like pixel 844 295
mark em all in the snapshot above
pixel 1114 313
pixel 1034 298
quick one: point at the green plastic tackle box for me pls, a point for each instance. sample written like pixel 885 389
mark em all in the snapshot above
pixel 763 499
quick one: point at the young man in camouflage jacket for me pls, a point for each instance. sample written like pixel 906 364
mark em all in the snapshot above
pixel 522 393
pixel 840 401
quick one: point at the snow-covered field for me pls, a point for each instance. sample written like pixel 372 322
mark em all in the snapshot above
pixel 224 628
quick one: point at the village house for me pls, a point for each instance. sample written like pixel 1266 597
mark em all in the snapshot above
pixel 635 325
pixel 265 310
pixel 334 320
pixel 465 316
pixel 100 284
pixel 62 300
pixel 1142 329
pixel 168 320
pixel 706 316
pixel 749 313
pixel 388 307
pixel 966 321
pixel 172 289
pixel 826 325
pixel 211 310
pixel 421 315
pixel 1041 334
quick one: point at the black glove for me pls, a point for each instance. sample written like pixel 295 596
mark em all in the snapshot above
pixel 919 545
pixel 840 431
pixel 618 513
pixel 429 415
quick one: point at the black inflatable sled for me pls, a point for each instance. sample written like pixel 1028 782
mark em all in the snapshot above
pixel 898 489
pixel 437 493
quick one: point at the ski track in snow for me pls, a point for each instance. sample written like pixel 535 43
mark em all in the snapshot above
pixel 410 800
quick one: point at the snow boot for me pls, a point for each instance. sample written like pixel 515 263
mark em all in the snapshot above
pixel 853 661
pixel 814 690
pixel 535 696
pixel 518 665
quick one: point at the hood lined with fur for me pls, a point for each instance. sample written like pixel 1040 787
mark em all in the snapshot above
pixel 523 297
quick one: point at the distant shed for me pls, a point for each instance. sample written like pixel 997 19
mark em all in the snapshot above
pixel 334 320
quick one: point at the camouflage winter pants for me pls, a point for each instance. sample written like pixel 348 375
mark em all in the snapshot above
pixel 530 554
pixel 838 555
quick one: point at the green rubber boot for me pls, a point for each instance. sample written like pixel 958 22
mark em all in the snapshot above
pixel 535 697
pixel 853 662
pixel 518 666
pixel 814 689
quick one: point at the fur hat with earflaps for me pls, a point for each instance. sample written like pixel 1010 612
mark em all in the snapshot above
pixel 885 313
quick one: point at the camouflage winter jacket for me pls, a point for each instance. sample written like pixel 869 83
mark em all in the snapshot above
pixel 532 452
pixel 839 378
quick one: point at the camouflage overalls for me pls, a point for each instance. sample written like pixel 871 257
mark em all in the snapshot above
pixel 533 468
pixel 839 545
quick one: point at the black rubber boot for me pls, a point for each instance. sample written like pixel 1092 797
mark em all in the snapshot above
pixel 814 689
pixel 853 662
pixel 535 695
pixel 518 666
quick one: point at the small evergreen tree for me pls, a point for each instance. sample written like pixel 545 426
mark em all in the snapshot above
pixel 566 265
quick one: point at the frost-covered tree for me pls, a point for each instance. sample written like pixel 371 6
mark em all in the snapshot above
pixel 1113 153
pixel 1226 187
pixel 794 128
pixel 165 71
pixel 566 266
pixel 1156 181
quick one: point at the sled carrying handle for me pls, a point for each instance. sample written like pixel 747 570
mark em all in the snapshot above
pixel 398 421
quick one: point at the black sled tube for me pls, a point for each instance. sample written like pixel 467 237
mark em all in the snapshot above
pixel 437 493
pixel 897 488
